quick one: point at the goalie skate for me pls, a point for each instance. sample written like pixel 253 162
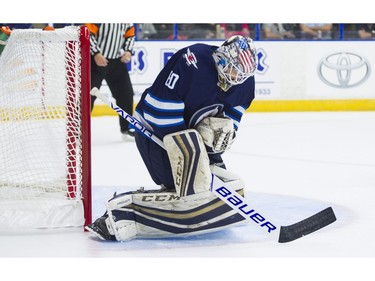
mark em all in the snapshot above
pixel 99 229
pixel 107 227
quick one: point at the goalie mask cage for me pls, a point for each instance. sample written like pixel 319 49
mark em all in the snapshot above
pixel 45 176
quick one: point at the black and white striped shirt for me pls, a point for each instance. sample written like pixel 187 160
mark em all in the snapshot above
pixel 111 39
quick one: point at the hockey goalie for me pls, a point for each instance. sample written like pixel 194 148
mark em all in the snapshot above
pixel 194 106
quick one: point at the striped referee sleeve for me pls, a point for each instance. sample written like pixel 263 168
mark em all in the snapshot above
pixel 129 38
pixel 111 39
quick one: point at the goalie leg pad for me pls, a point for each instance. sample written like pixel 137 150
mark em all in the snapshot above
pixel 167 215
pixel 160 213
pixel 189 161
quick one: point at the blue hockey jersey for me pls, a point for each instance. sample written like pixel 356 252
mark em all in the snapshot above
pixel 186 90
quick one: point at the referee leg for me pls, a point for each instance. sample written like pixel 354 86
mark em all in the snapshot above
pixel 119 83
pixel 97 76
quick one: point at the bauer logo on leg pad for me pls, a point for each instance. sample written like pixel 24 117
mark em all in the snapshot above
pixel 243 209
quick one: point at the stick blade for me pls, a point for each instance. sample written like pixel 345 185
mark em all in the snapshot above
pixel 307 226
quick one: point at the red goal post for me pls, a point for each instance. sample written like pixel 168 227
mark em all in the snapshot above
pixel 45 144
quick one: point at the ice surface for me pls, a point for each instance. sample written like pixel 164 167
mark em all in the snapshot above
pixel 293 164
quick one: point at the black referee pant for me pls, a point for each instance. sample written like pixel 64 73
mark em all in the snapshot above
pixel 117 77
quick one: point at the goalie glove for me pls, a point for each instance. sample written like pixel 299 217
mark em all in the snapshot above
pixel 218 133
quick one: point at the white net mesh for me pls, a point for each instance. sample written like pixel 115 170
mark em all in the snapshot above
pixel 40 125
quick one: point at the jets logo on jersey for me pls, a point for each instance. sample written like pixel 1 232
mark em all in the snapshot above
pixel 190 59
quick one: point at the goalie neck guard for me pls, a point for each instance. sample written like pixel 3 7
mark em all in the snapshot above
pixel 235 60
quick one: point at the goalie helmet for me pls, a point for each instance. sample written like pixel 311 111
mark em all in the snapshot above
pixel 236 60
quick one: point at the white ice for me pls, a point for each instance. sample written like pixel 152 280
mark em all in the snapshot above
pixel 293 164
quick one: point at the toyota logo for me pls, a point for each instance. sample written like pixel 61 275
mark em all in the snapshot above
pixel 344 70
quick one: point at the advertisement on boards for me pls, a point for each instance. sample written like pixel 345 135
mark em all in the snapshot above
pixel 296 70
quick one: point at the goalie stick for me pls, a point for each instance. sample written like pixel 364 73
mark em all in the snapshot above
pixel 237 202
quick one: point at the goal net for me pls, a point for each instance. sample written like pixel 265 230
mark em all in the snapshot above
pixel 45 176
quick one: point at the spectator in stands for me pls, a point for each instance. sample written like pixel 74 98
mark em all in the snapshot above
pixel 184 29
pixel 62 25
pixel 231 29
pixel 316 30
pixel 366 30
pixel 5 32
pixel 202 31
pixel 146 31
pixel 14 26
pixel 111 47
pixel 277 31
pixel 163 31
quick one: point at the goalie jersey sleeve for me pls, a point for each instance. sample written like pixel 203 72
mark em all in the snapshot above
pixel 186 91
